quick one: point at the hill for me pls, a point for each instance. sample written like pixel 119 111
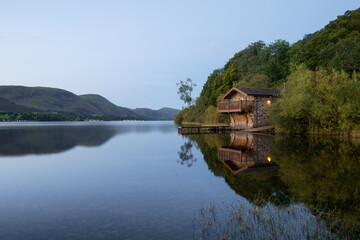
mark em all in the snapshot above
pixel 9 106
pixel 335 47
pixel 161 114
pixel 42 99
pixel 106 107
pixel 59 104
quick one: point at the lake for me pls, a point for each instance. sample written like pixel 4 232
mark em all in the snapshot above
pixel 141 180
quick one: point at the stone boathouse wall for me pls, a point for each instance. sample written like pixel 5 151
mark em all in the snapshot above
pixel 258 118
pixel 259 144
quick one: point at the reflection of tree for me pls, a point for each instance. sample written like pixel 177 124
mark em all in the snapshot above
pixel 321 172
pixel 185 154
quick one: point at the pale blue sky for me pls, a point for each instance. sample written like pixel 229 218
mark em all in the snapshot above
pixel 134 52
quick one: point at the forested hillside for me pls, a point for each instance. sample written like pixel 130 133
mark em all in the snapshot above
pixel 50 104
pixel 53 104
pixel 335 49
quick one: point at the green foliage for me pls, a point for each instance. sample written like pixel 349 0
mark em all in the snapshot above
pixel 190 115
pixel 213 116
pixel 194 114
pixel 179 118
pixel 255 81
pixel 296 51
pixel 343 55
pixel 292 110
pixel 317 101
pixel 208 92
pixel 337 45
pixel 349 109
pixel 275 61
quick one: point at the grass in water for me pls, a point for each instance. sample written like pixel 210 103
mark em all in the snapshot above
pixel 263 220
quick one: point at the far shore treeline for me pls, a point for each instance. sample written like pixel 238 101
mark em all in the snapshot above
pixel 57 116
pixel 322 78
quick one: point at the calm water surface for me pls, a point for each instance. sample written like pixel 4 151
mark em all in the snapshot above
pixel 141 180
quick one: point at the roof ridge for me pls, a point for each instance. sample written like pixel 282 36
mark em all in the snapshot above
pixel 256 88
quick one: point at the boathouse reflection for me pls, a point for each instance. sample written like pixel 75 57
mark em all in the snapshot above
pixel 247 152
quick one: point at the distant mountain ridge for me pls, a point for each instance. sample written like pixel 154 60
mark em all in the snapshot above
pixel 44 99
pixel 161 114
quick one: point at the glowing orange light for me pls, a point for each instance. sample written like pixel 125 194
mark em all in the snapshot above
pixel 268 102
pixel 269 159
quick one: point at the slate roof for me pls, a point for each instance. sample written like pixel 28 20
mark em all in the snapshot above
pixel 260 91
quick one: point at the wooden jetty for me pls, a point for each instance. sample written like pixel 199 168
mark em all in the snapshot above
pixel 183 130
pixel 260 129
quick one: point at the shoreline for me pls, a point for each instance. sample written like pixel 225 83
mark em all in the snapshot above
pixel 341 134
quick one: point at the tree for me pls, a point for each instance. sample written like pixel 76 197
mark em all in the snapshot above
pixel 318 100
pixel 274 61
pixel 337 43
pixel 185 89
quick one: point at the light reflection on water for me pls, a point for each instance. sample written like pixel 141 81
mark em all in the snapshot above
pixel 141 180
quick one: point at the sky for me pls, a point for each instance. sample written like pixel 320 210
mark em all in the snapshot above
pixel 134 52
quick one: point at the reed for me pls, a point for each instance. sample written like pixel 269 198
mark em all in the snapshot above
pixel 262 220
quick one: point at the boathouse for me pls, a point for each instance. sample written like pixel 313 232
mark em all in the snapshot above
pixel 248 107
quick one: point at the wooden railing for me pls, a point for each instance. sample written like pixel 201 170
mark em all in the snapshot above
pixel 236 106
pixel 235 155
pixel 235 160
pixel 239 160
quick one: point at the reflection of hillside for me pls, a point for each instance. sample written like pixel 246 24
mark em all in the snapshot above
pixel 41 140
pixel 312 170
pixel 321 172
pixel 44 139
pixel 248 184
